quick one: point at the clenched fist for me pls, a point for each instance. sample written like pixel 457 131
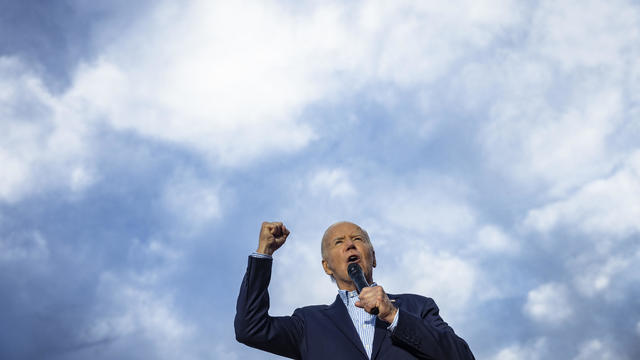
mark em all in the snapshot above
pixel 272 236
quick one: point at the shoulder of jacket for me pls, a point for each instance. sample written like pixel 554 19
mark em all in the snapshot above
pixel 311 308
pixel 411 297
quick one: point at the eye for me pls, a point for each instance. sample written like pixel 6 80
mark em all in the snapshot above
pixel 338 242
pixel 357 238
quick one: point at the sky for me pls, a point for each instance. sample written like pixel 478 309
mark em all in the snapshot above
pixel 489 147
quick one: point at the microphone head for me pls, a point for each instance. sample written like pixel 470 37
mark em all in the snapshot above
pixel 353 268
pixel 357 276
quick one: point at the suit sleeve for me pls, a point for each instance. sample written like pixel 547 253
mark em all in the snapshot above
pixel 254 327
pixel 427 336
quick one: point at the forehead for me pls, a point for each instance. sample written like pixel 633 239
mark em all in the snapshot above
pixel 343 229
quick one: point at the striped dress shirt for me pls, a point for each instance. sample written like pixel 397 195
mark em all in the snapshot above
pixel 364 322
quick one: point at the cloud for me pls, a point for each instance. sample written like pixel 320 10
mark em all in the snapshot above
pixel 43 144
pixel 553 104
pixel 223 353
pixel 606 206
pixel 492 239
pixel 23 246
pixel 580 36
pixel 531 351
pixel 132 311
pixel 597 349
pixel 559 145
pixel 450 280
pixel 191 83
pixel 609 272
pixel 334 182
pixel 549 304
pixel 430 206
pixel 192 202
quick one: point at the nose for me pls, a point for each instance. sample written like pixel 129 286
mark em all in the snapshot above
pixel 350 244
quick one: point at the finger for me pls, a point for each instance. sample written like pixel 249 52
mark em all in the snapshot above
pixel 267 226
pixel 359 304
pixel 265 231
pixel 285 230
pixel 276 231
pixel 366 292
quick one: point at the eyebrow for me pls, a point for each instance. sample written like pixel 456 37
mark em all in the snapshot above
pixel 351 235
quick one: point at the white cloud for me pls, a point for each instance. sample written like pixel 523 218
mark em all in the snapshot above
pixel 410 43
pixel 603 214
pixel 42 142
pixel 597 277
pixel 425 208
pixel 193 202
pixel 334 182
pixel 607 271
pixel 231 79
pixel 533 351
pixel 579 35
pixel 493 240
pixel 131 311
pixel 607 206
pixel 597 349
pixel 560 146
pixel 450 280
pixel 556 102
pixel 549 304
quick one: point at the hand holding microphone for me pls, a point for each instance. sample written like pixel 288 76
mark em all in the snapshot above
pixel 382 305
pixel 357 276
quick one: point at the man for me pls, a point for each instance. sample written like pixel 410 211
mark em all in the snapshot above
pixel 407 326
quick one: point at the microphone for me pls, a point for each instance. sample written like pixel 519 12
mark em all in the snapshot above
pixel 357 276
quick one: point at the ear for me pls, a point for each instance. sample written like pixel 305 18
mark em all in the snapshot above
pixel 326 267
pixel 374 257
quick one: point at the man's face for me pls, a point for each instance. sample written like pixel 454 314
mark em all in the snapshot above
pixel 343 244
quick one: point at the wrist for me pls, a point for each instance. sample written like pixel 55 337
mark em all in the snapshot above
pixel 263 249
pixel 391 315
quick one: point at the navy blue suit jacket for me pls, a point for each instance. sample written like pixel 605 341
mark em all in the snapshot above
pixel 327 332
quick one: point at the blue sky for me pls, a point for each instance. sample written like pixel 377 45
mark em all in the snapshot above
pixel 490 148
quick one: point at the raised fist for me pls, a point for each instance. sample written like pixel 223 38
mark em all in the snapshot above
pixel 272 236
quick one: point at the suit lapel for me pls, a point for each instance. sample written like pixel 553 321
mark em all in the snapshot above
pixel 337 312
pixel 381 331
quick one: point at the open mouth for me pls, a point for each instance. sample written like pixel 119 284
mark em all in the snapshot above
pixel 353 258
